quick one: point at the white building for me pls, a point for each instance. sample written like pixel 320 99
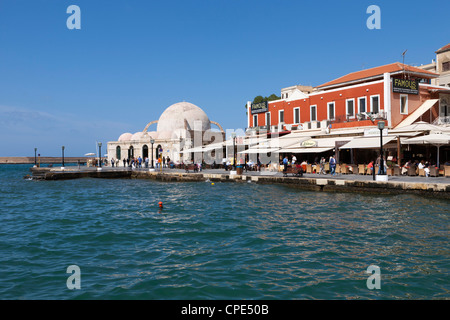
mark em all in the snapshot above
pixel 181 126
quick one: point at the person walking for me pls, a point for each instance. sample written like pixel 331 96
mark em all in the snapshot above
pixel 285 163
pixel 333 165
pixel 322 166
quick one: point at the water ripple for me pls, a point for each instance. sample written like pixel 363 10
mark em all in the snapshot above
pixel 230 241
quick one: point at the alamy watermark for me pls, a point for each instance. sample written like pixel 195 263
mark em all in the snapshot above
pixel 74 20
pixel 74 280
pixel 374 280
pixel 374 21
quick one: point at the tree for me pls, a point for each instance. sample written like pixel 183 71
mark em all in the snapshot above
pixel 259 99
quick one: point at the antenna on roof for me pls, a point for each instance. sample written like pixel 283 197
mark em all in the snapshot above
pixel 403 65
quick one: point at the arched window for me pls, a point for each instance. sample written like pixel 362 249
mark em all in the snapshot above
pixel 118 153
pixel 145 151
pixel 131 153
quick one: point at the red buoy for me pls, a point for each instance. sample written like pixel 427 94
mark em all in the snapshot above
pixel 160 204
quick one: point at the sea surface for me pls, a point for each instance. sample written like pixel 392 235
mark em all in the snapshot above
pixel 221 241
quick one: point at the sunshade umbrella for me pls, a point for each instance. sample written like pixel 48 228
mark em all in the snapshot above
pixel 436 139
pixel 89 154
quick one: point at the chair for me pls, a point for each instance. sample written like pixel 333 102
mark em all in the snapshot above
pixel 344 169
pixel 390 171
pixel 326 168
pixel 421 173
pixel 447 171
pixel 361 169
pixel 412 171
pixel 434 172
pixel 397 171
pixel 308 168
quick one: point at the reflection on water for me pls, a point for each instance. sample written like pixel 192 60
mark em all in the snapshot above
pixel 227 241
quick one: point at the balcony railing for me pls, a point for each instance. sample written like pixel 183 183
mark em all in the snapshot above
pixel 442 120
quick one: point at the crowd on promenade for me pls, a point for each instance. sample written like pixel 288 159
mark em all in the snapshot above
pixel 323 165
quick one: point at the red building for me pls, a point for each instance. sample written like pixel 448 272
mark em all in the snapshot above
pixel 397 93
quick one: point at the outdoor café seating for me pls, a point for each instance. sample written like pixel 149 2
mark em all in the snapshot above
pixel 434 172
pixel 397 171
pixel 412 171
pixel 421 172
pixel 344 169
pixel 361 169
pixel 447 171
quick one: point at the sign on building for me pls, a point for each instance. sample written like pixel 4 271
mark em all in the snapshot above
pixel 405 86
pixel 308 144
pixel 259 107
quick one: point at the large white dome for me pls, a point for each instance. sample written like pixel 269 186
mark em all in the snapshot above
pixel 174 117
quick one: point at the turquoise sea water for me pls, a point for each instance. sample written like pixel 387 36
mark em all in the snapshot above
pixel 227 241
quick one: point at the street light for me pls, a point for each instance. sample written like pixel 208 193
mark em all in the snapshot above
pixel 63 156
pixel 100 154
pixel 35 160
pixel 181 139
pixel 233 135
pixel 152 141
pixel 381 127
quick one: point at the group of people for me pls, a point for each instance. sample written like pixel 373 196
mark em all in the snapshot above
pixel 318 166
pixel 425 165
pixel 139 162
pixel 228 164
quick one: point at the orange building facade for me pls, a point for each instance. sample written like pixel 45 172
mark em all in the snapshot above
pixel 395 93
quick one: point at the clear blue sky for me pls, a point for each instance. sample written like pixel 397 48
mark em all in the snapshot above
pixel 132 59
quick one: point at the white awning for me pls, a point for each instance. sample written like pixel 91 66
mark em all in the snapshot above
pixel 366 143
pixel 259 150
pixel 304 150
pixel 417 113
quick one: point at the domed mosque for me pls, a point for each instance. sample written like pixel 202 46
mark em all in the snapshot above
pixel 180 127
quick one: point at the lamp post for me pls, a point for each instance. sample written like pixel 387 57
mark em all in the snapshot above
pixel 100 154
pixel 181 139
pixel 233 135
pixel 152 141
pixel 381 127
pixel 62 156
pixel 35 160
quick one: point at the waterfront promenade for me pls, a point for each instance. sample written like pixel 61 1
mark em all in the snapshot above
pixel 431 186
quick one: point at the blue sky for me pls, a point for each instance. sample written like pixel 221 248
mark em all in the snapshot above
pixel 132 59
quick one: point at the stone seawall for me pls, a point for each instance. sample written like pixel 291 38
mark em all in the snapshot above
pixel 439 190
pixel 314 184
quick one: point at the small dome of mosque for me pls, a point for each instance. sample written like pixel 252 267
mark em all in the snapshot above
pixel 125 137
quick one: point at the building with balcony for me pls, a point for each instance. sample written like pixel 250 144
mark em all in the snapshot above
pixel 397 93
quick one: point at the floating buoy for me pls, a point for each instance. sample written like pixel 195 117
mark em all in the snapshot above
pixel 160 204
pixel 212 183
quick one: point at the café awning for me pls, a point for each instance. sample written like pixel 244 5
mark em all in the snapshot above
pixel 304 150
pixel 427 105
pixel 366 143
pixel 259 150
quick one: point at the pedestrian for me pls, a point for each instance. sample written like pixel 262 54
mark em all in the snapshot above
pixel 333 165
pixel 322 166
pixel 164 162
pixel 124 162
pixel 285 163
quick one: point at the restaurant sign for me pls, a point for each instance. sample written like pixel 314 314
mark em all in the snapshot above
pixel 374 132
pixel 405 86
pixel 308 144
pixel 259 107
